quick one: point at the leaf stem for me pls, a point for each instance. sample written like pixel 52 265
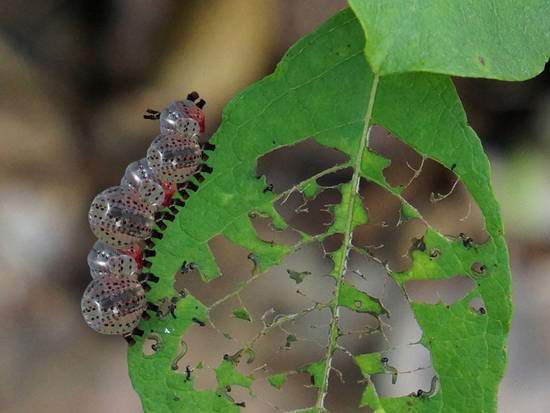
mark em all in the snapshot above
pixel 341 265
pixel 311 179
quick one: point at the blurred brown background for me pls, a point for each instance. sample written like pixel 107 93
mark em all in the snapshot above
pixel 75 78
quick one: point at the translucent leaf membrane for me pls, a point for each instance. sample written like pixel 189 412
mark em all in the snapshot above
pixel 346 252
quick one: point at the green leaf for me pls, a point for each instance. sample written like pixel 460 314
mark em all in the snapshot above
pixel 356 300
pixel 317 371
pixel 498 39
pixel 227 376
pixel 407 212
pixel 370 363
pixel 242 313
pixel 311 189
pixel 340 101
pixel 298 276
pixel 277 380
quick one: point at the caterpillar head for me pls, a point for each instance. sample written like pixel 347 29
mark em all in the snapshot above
pixel 182 117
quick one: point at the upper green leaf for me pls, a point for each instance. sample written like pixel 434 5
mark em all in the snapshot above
pixel 498 39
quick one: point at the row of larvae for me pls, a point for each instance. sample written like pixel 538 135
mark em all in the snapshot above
pixel 123 216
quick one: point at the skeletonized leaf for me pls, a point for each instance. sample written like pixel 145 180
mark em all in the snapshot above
pixel 325 89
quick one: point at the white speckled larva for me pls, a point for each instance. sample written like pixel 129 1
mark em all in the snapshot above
pixel 150 189
pixel 182 117
pixel 174 158
pixel 120 218
pixel 113 305
pixel 123 219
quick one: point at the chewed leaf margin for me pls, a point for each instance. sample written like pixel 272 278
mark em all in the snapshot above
pixel 322 89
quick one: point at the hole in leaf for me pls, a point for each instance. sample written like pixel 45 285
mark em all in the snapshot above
pixel 333 242
pixel 288 304
pixel 316 287
pixel 367 274
pixel 266 232
pixel 391 245
pixel 152 344
pixel 351 321
pixel 312 328
pixel 401 326
pixel 164 306
pixel 287 166
pixel 311 216
pixel 256 403
pixel 405 161
pixel 296 393
pixel 479 268
pixel 278 344
pixel 448 290
pixel 346 384
pixel 205 346
pixel 434 190
pixel 478 305
pixel 383 208
pixel 204 379
pixel 360 332
pixel 336 178
pixel 413 371
pixel 234 266
pixel 223 317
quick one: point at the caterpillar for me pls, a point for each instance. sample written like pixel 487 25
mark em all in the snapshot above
pixel 123 218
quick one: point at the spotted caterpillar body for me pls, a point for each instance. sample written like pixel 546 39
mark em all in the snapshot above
pixel 122 217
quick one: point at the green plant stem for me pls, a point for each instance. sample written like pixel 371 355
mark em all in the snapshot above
pixel 341 265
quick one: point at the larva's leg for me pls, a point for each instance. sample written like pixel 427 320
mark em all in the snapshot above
pixel 152 114
pixel 152 307
pixel 150 277
pixel 177 202
pixel 192 96
pixel 160 216
pixel 129 340
pixel 137 332
pixel 156 234
pixel 148 253
pixel 147 277
pixel 205 168
pixel 207 146
pixel 187 185
pixel 184 194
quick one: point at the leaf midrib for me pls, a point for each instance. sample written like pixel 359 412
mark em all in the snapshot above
pixel 341 265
